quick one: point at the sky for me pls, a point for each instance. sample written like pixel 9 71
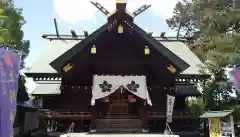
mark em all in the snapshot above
pixel 82 15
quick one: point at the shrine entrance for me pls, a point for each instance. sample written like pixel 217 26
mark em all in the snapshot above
pixel 119 96
pixel 118 104
pixel 122 103
pixel 123 112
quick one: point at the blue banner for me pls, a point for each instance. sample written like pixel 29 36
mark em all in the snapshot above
pixel 9 75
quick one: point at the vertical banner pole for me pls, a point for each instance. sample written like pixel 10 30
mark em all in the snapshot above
pixel 232 125
pixel 170 105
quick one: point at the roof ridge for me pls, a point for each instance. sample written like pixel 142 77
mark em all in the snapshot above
pixel 81 37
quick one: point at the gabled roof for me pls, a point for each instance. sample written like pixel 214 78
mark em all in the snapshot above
pixel 55 49
pixel 58 47
pixel 47 88
pixel 52 51
pixel 67 56
pixel 180 63
pixel 58 63
pixel 181 50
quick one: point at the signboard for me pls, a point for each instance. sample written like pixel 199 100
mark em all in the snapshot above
pixel 9 74
pixel 221 123
pixel 170 104
pixel 221 127
pixel 227 127
pixel 214 127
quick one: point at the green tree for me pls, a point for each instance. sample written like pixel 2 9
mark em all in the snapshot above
pixel 13 38
pixel 14 24
pixel 185 19
pixel 3 31
pixel 215 28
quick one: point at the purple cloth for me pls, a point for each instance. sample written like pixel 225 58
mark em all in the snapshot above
pixel 235 78
pixel 9 75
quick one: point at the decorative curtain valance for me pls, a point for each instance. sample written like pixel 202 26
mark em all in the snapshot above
pixel 105 85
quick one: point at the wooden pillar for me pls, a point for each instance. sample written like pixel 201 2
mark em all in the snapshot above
pixel 93 119
pixel 21 119
pixel 144 117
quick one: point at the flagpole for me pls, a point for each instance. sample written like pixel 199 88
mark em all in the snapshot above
pixel 165 132
pixel 169 111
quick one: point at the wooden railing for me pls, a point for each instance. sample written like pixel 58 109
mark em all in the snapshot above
pixel 80 114
pixel 103 111
pixel 64 114
pixel 162 113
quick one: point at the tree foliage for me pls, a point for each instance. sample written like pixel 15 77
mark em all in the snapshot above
pixel 185 16
pixel 215 27
pixel 12 37
pixel 3 30
pixel 14 24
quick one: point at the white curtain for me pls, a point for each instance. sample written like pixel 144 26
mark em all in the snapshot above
pixel 105 85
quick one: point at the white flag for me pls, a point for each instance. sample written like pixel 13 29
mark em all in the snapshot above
pixel 170 104
pixel 148 99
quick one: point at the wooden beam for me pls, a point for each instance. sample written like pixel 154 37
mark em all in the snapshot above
pixel 100 7
pixel 140 10
pixel 121 5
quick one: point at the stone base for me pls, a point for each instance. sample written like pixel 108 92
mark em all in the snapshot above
pixel 167 132
pixel 116 135
pixel 93 130
pixel 145 130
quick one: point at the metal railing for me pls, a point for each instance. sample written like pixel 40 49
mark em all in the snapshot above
pixel 71 130
pixel 102 111
pixel 168 130
pixel 154 113
pixel 52 113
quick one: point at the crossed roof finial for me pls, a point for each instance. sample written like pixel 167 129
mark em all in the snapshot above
pixel 120 6
pixel 121 1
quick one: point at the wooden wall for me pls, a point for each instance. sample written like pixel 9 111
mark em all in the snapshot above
pixel 81 99
pixel 68 99
pixel 75 99
pixel 159 100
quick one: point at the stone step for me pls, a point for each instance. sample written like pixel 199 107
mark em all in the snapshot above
pixel 127 124
pixel 119 130
pixel 119 125
pixel 115 135
pixel 119 121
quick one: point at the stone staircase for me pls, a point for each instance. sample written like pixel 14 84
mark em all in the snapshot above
pixel 119 125
pixel 115 135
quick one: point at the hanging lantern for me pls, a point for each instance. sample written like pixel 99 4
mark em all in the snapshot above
pixel 93 50
pixel 120 29
pixel 146 50
pixel 68 67
pixel 171 69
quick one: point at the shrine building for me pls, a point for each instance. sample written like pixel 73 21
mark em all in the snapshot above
pixel 116 79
